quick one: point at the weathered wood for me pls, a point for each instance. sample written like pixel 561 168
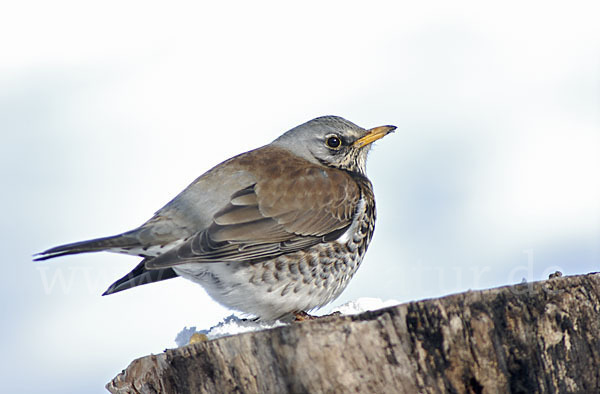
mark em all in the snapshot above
pixel 541 337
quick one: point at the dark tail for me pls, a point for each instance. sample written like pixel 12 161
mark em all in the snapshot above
pixel 123 241
pixel 140 276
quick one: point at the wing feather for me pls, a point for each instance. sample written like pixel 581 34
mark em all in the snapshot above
pixel 272 217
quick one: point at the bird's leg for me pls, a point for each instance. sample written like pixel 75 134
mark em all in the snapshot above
pixel 303 316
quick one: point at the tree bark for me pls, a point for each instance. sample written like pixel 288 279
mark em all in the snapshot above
pixel 541 337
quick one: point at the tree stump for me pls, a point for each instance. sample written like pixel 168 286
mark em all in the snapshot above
pixel 541 337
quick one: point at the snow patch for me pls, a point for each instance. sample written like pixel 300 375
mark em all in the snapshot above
pixel 363 305
pixel 233 324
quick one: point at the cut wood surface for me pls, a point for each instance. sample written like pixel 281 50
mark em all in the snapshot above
pixel 541 337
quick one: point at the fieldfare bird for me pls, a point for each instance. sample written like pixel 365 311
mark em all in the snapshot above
pixel 271 232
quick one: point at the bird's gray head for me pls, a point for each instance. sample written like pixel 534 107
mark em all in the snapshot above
pixel 332 141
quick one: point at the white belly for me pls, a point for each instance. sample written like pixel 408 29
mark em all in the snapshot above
pixel 279 287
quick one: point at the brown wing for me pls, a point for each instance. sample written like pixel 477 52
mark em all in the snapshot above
pixel 275 216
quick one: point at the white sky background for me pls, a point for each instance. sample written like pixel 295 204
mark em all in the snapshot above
pixel 109 109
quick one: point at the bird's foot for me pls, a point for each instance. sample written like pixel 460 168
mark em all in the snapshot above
pixel 303 316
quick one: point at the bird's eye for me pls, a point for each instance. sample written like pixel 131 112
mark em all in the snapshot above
pixel 333 142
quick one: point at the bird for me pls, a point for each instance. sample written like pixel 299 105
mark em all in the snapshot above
pixel 273 232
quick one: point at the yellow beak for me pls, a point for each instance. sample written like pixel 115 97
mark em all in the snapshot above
pixel 373 135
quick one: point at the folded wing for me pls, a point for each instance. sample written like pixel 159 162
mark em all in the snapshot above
pixel 275 216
